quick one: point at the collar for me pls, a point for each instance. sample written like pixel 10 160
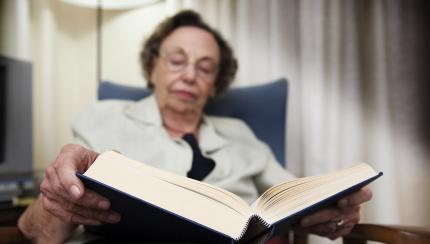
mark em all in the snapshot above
pixel 146 111
pixel 210 138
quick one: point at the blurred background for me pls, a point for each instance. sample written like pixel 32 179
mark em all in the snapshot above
pixel 357 71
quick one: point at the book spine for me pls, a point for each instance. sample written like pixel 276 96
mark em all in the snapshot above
pixel 254 228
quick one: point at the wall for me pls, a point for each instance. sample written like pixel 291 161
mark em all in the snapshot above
pixel 123 33
pixel 64 42
pixel 65 57
pixel 15 29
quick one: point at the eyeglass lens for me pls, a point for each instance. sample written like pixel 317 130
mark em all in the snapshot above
pixel 178 60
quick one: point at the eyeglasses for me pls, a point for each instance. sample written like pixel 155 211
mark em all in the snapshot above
pixel 177 61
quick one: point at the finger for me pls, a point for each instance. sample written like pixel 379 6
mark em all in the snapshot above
pixel 331 230
pixel 78 219
pixel 351 218
pixel 52 197
pixel 53 185
pixel 100 215
pixel 349 222
pixel 47 189
pixel 324 229
pixel 356 198
pixel 72 159
pixel 91 199
pixel 77 214
pixel 321 216
pixel 339 232
pixel 56 209
pixel 350 209
pixel 45 185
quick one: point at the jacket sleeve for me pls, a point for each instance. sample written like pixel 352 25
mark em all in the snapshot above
pixel 81 128
pixel 273 172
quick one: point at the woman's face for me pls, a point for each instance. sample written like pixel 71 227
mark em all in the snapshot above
pixel 184 74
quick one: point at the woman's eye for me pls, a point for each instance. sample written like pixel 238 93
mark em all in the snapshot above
pixel 177 62
pixel 206 68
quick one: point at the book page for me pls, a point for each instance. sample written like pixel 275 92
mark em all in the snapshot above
pixel 292 196
pixel 208 205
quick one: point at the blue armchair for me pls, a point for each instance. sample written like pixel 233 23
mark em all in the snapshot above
pixel 262 107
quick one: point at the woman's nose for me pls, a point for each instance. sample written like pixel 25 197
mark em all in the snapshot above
pixel 190 73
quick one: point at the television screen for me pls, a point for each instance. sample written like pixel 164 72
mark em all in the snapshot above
pixel 2 111
pixel 15 126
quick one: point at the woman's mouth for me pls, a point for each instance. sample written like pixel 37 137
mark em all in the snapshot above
pixel 185 95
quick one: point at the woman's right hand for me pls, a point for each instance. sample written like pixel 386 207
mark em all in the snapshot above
pixel 64 199
pixel 64 195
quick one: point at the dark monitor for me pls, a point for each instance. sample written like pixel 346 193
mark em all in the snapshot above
pixel 16 164
pixel 2 111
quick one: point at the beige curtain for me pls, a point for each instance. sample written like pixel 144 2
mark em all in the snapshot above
pixel 357 87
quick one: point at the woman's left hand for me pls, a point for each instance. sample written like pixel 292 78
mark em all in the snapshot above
pixel 338 220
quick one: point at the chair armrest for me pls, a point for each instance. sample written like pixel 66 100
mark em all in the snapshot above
pixel 11 234
pixel 388 234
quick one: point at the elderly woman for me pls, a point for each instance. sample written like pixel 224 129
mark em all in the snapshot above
pixel 186 62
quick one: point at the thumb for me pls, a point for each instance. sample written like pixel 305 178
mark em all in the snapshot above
pixel 72 159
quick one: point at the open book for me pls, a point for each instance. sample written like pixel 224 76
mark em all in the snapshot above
pixel 156 205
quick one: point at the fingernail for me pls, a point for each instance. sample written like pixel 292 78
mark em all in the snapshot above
pixel 103 204
pixel 113 218
pixel 75 191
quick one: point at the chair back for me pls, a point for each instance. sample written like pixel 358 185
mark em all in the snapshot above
pixel 262 107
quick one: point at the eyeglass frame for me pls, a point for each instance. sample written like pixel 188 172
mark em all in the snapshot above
pixel 200 72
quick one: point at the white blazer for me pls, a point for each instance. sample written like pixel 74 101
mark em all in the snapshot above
pixel 244 165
